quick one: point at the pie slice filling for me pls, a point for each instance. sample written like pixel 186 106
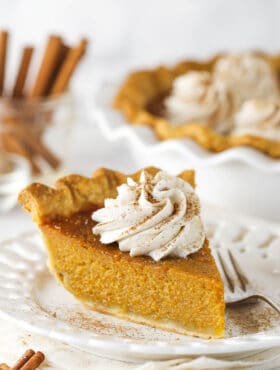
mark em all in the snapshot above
pixel 184 295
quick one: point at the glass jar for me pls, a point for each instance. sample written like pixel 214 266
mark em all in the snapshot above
pixel 38 130
pixel 34 137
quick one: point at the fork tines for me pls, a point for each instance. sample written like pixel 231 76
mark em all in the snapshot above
pixel 230 269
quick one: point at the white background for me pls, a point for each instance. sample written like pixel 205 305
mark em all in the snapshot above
pixel 134 32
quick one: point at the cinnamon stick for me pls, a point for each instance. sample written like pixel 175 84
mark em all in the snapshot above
pixel 49 61
pixel 73 57
pixel 20 139
pixel 22 72
pixel 12 144
pixel 37 146
pixel 34 362
pixel 23 359
pixel 64 50
pixel 3 56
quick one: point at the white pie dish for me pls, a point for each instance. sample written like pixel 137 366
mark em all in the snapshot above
pixel 240 179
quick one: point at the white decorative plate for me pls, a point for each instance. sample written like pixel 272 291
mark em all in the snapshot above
pixel 32 297
pixel 228 179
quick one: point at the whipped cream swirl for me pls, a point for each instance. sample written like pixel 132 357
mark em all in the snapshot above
pixel 198 98
pixel 259 118
pixel 158 217
pixel 247 76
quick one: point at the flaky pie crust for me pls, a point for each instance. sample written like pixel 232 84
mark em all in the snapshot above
pixel 75 193
pixel 142 87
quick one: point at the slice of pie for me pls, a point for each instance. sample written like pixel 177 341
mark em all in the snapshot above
pixel 183 295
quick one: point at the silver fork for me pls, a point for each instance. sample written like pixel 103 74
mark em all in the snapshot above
pixel 238 288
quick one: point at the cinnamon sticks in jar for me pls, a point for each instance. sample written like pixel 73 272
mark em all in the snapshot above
pixel 68 66
pixel 22 72
pixel 21 107
pixel 3 55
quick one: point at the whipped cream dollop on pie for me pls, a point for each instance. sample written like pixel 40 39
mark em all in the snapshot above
pixel 198 98
pixel 247 76
pixel 158 217
pixel 259 117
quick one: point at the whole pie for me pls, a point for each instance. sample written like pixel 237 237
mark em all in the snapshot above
pixel 169 291
pixel 203 100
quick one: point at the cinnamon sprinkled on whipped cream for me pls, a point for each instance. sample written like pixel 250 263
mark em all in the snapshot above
pixel 259 118
pixel 158 217
pixel 247 76
pixel 198 98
